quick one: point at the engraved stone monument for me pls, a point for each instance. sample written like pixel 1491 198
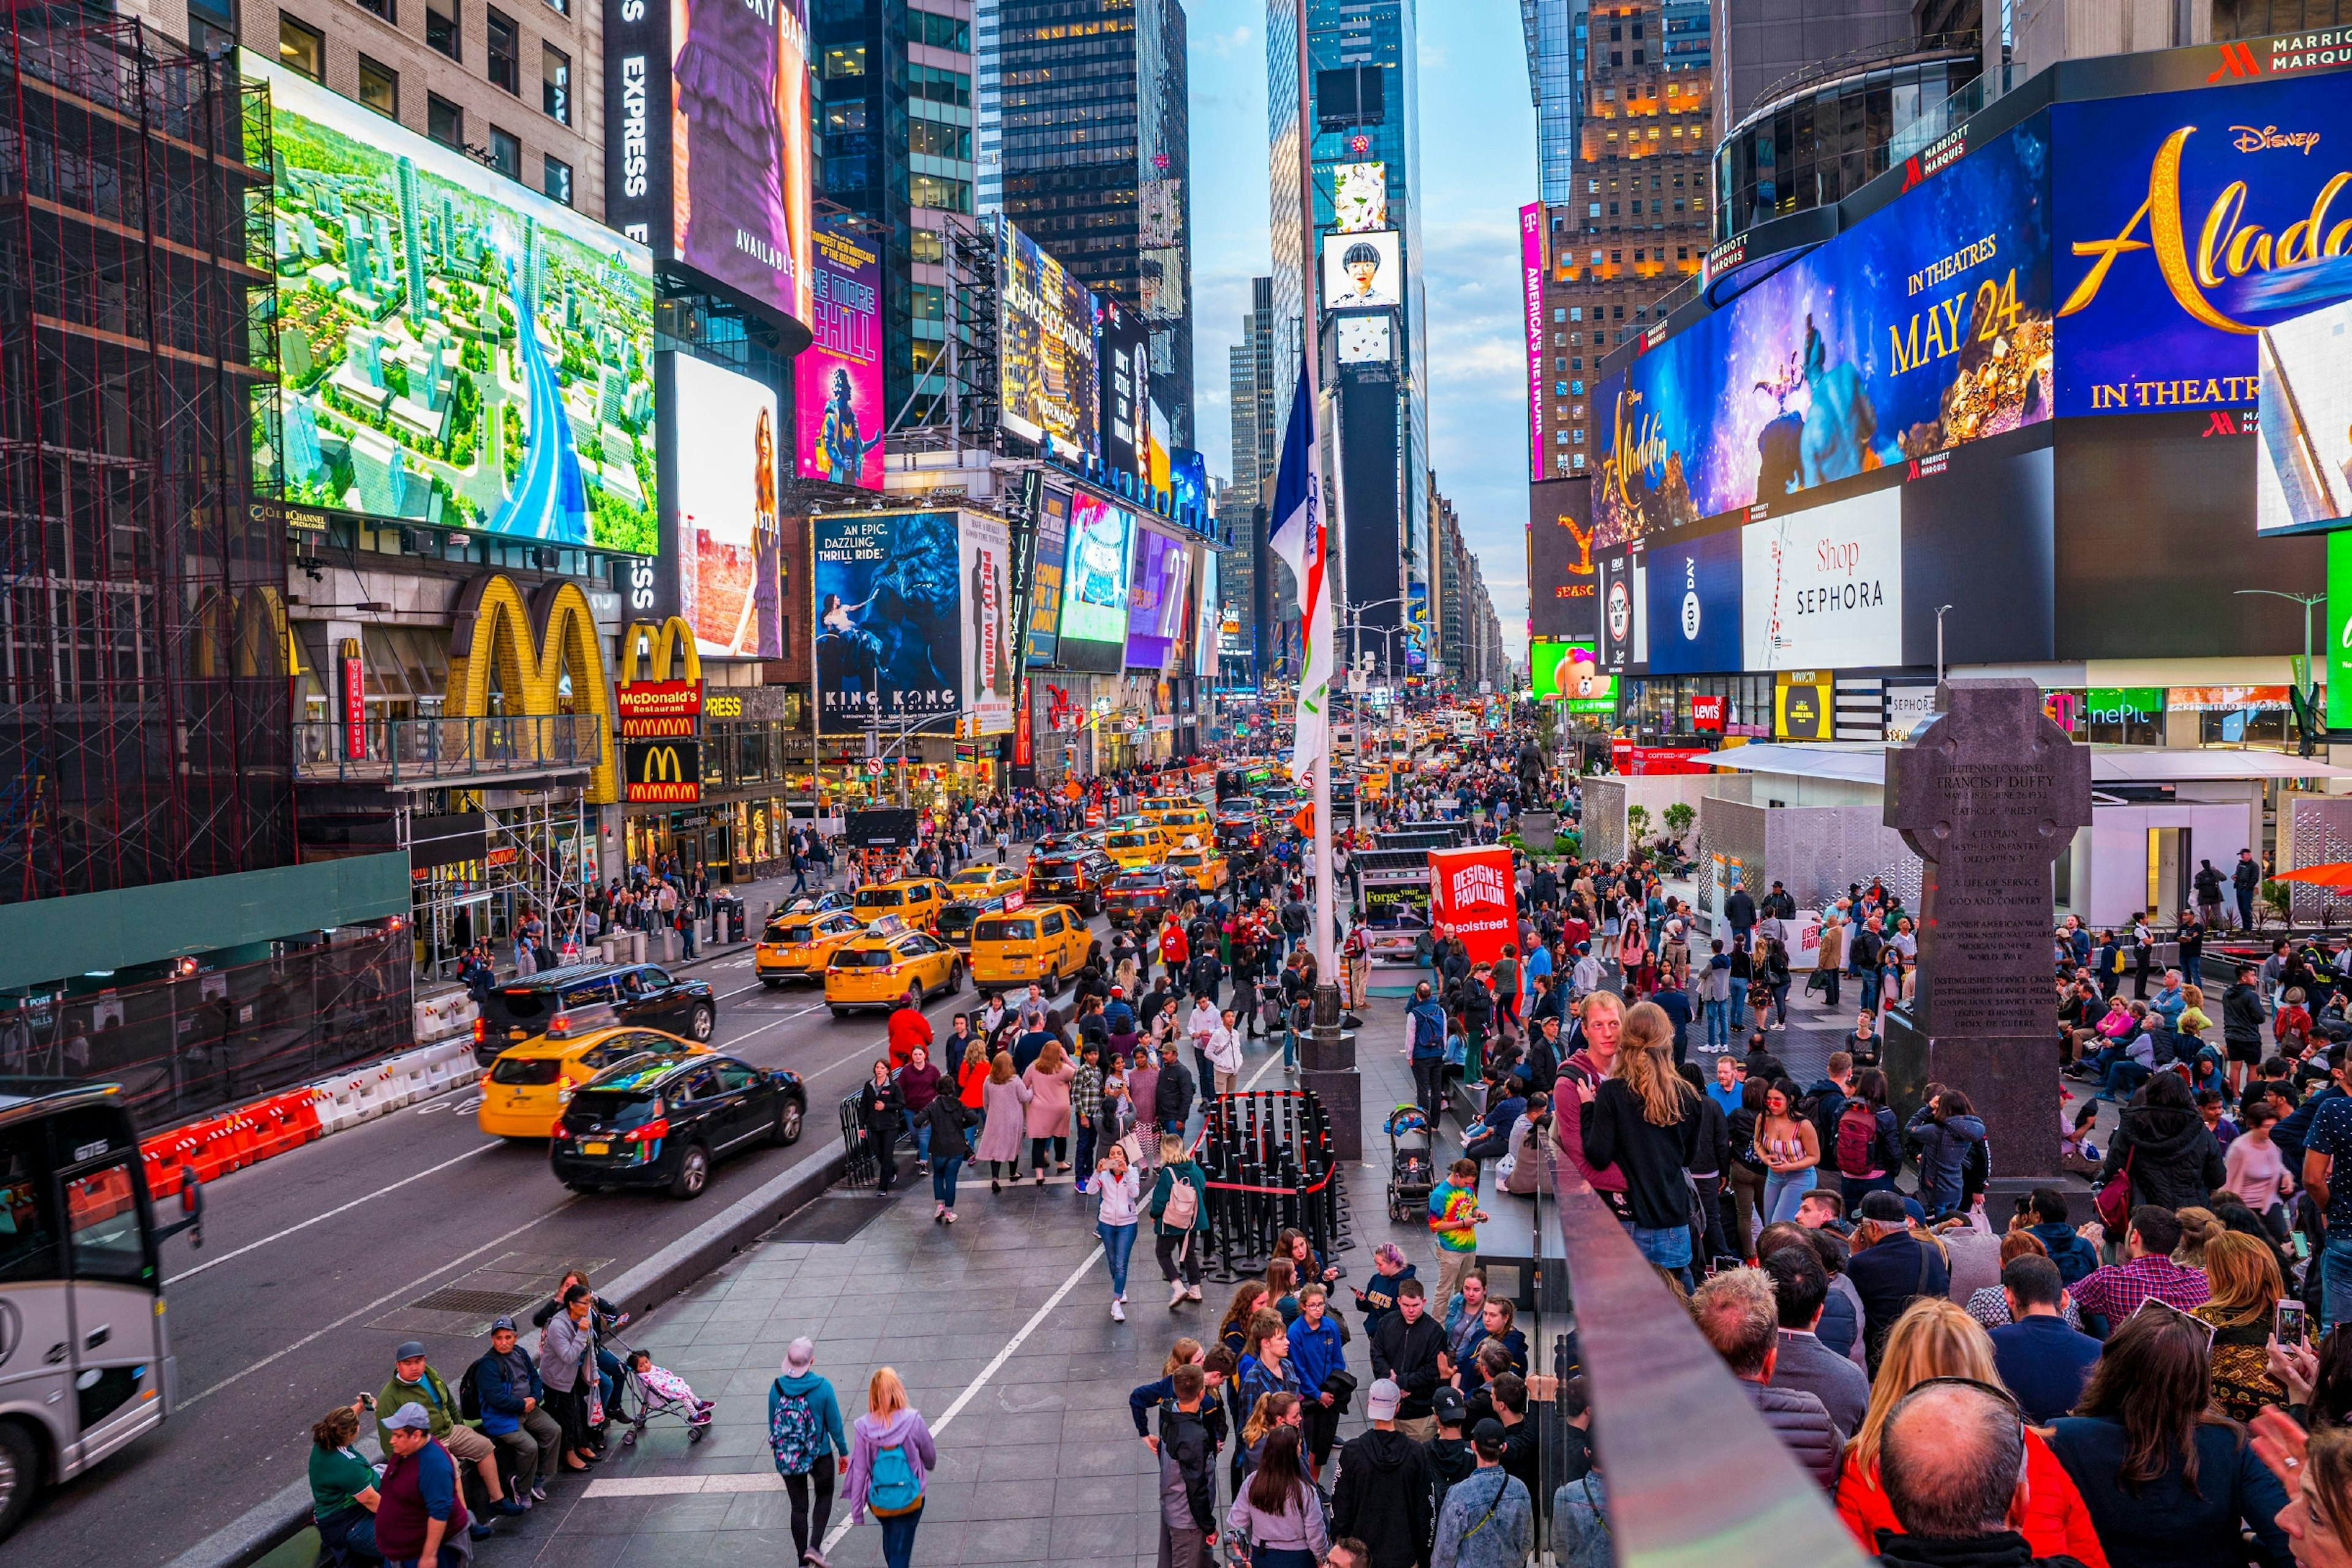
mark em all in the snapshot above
pixel 1988 793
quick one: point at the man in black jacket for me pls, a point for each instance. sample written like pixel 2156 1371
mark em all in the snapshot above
pixel 1953 1463
pixel 1405 1348
pixel 2244 882
pixel 1386 1495
pixel 1171 1103
pixel 1740 910
pixel 2207 882
pixel 1188 1479
pixel 2241 1025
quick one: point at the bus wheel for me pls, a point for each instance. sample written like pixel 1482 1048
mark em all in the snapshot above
pixel 20 1474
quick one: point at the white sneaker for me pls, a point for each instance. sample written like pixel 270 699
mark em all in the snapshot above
pixel 1193 1293
pixel 1117 1313
pixel 1175 1294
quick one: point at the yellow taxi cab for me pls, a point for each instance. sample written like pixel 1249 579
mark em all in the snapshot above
pixel 917 900
pixel 1192 820
pixel 797 944
pixel 526 1089
pixel 1158 807
pixel 892 959
pixel 974 883
pixel 1135 843
pixel 1205 868
pixel 1025 943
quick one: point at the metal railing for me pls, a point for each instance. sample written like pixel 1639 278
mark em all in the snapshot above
pixel 395 751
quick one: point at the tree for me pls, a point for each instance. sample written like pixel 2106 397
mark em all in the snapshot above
pixel 1637 823
pixel 1678 818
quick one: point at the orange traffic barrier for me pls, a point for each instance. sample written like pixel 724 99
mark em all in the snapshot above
pixel 162 1169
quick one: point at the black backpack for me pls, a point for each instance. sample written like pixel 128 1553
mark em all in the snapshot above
pixel 470 1393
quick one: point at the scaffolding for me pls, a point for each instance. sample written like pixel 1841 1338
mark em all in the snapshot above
pixel 144 731
pixel 953 406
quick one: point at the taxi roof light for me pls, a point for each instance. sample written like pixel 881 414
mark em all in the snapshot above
pixel 574 1022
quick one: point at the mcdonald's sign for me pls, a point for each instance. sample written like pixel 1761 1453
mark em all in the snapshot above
pixel 543 653
pixel 664 772
pixel 659 708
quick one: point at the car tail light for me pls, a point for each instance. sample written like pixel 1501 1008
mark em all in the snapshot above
pixel 481 1030
pixel 651 1133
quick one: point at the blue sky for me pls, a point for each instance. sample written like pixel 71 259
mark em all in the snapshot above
pixel 1479 165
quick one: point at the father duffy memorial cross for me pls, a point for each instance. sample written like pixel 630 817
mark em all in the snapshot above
pixel 1988 793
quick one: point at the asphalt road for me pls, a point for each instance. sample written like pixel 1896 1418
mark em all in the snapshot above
pixel 311 1262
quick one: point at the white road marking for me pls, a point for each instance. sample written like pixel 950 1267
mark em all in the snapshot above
pixel 972 1389
pixel 321 1219
pixel 384 1299
pixel 685 1485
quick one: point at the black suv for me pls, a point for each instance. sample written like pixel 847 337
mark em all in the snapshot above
pixel 642 993
pixel 956 921
pixel 1141 896
pixel 1076 877
pixel 662 1121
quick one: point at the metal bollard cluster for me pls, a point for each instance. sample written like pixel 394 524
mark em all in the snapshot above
pixel 1271 1168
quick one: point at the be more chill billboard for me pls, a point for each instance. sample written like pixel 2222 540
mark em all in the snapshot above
pixel 454 349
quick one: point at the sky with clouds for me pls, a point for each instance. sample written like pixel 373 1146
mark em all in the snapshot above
pixel 1479 165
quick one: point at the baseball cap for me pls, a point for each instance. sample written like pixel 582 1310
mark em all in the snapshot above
pixel 409 1418
pixel 1488 1430
pixel 1380 1403
pixel 409 1350
pixel 1885 1208
pixel 1450 1407
pixel 497 1323
pixel 800 1355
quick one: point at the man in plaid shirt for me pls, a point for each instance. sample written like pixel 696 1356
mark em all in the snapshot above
pixel 1086 1105
pixel 2147 1272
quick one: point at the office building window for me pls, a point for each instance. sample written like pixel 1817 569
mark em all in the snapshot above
pixel 441 27
pixel 555 83
pixel 558 183
pixel 947 195
pixel 925 244
pixel 302 49
pixel 844 119
pixel 929 139
pixel 506 61
pixel 938 86
pixel 380 88
pixel 383 9
pixel 939 32
pixel 445 122
pixel 506 154
pixel 848 60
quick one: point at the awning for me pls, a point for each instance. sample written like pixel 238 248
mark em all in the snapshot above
pixel 1866 764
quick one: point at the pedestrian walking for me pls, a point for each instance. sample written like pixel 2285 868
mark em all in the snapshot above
pixel 1178 1209
pixel 1046 1114
pixel 880 1110
pixel 804 1436
pixel 890 1453
pixel 1278 1513
pixel 949 1121
pixel 1119 1187
pixel 1487 1521
pixel 1007 1100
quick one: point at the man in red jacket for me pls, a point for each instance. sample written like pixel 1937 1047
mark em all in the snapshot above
pixel 1175 948
pixel 908 1028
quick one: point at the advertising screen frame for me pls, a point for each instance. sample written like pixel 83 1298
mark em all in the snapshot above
pixel 721 523
pixel 1092 599
pixel 1822 588
pixel 560 494
pixel 888 624
pixel 1123 358
pixel 989 684
pixel 1360 198
pixel 1379 291
pixel 1046 320
pixel 838 415
pixel 1045 588
pixel 1531 277
pixel 1563 597
pixel 1695 591
pixel 1155 598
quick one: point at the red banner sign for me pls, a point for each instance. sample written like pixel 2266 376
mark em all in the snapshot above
pixel 658 710
pixel 1653 761
pixel 1472 896
pixel 354 702
pixel 1706 714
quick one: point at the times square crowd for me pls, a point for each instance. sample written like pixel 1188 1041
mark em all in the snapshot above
pixel 2147 1373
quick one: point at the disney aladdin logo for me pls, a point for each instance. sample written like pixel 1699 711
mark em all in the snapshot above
pixel 1637 446
pixel 2227 245
pixel 2269 138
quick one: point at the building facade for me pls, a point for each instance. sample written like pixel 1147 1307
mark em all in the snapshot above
pixel 1093 137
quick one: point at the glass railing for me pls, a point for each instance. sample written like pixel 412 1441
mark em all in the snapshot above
pixel 394 751
pixel 1945 116
pixel 1681 1463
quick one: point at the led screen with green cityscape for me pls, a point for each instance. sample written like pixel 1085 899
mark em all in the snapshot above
pixel 408 392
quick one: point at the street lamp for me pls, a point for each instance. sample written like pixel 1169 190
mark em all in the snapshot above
pixel 2306 601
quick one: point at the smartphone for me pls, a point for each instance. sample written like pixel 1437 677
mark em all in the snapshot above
pixel 2293 1328
pixel 1722 1261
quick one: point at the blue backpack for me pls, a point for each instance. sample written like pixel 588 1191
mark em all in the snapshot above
pixel 891 1489
pixel 794 1437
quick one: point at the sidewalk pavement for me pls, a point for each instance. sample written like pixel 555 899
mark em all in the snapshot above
pixel 999 1327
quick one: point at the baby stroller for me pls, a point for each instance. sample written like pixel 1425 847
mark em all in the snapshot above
pixel 1412 1165
pixel 654 1393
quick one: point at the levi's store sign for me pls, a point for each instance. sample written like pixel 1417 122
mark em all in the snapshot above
pixel 1706 714
pixel 651 710
pixel 1474 897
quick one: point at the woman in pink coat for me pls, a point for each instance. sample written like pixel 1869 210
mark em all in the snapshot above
pixel 1003 1098
pixel 1048 1115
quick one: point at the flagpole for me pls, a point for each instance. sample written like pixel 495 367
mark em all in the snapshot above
pixel 1326 1016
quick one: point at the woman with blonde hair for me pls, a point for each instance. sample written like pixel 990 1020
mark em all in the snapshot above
pixel 1048 1113
pixel 1644 1120
pixel 1936 1338
pixel 1006 1098
pixel 890 1451
pixel 2200 1228
pixel 1274 1408
pixel 2243 1309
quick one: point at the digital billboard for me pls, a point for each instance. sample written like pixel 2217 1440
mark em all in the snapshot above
pixel 1094 587
pixel 1531 269
pixel 454 349
pixel 1045 348
pixel 1620 598
pixel 1694 610
pixel 1925 325
pixel 1045 588
pixel 1563 597
pixel 991 683
pixel 724 536
pixel 1570 671
pixel 1155 600
pixel 1187 482
pixel 1823 588
pixel 1416 628
pixel 1209 621
pixel 1124 352
pixel 2304 478
pixel 707 141
pixel 2186 221
pixel 1360 198
pixel 837 379
pixel 1362 271
pixel 889 631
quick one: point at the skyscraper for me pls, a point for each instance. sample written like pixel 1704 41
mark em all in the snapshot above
pixel 1636 225
pixel 1257 418
pixel 412 236
pixel 1093 127
pixel 1555 36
